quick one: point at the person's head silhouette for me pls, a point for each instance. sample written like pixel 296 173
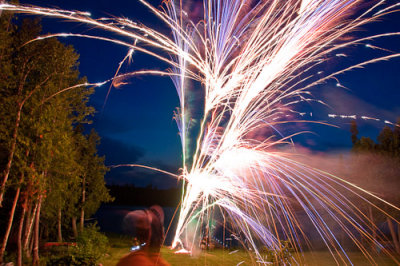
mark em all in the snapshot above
pixel 147 227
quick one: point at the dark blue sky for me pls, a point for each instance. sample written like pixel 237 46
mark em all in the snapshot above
pixel 136 123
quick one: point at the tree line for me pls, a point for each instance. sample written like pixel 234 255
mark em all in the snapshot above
pixel 144 196
pixel 376 165
pixel 51 176
pixel 388 141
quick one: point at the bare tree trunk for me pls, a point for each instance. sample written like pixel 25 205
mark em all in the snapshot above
pixel 31 211
pixel 82 219
pixel 36 234
pixel 31 242
pixel 74 230
pixel 20 229
pixel 59 231
pixel 28 230
pixel 7 169
pixel 10 159
pixel 26 227
pixel 394 235
pixel 24 208
pixel 9 226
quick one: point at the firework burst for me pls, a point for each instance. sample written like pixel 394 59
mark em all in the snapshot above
pixel 254 60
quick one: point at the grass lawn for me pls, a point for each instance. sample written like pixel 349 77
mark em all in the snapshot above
pixel 119 246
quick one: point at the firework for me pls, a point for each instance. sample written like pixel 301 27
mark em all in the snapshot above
pixel 254 61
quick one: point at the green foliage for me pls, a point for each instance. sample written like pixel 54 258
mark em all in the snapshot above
pixel 376 167
pixel 94 174
pixel 354 132
pixel 42 111
pixel 388 141
pixel 366 144
pixel 91 246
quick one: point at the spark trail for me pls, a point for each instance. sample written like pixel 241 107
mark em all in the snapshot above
pixel 255 61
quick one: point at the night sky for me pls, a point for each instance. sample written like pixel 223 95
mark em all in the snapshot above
pixel 136 122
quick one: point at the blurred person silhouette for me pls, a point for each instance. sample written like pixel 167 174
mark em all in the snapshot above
pixel 146 228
